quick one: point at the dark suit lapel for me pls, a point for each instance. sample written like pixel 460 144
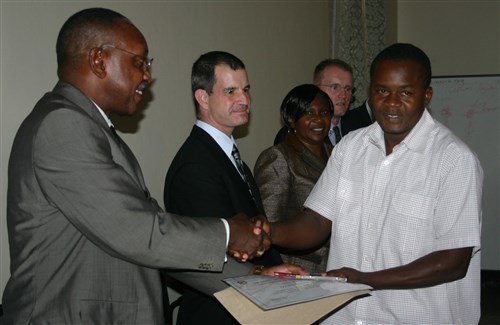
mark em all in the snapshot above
pixel 226 163
pixel 131 164
pixel 217 151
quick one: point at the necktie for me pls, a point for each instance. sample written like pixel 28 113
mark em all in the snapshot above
pixel 241 169
pixel 336 131
pixel 113 131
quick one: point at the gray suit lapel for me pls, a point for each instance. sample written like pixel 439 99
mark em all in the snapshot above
pixel 122 154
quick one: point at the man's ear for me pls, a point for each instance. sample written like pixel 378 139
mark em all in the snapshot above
pixel 428 95
pixel 201 97
pixel 96 62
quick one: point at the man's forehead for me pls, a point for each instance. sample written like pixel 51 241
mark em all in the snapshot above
pixel 335 72
pixel 406 69
pixel 224 68
pixel 225 75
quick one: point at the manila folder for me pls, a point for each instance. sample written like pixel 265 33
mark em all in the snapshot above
pixel 246 312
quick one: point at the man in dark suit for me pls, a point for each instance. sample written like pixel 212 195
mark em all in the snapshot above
pixel 85 237
pixel 205 178
pixel 357 118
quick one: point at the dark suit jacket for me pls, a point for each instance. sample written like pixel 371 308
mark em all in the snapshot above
pixel 202 181
pixel 85 237
pixel 355 118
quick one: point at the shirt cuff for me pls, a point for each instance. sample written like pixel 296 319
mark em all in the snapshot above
pixel 226 224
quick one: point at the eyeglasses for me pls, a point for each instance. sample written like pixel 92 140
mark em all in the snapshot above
pixel 144 61
pixel 336 88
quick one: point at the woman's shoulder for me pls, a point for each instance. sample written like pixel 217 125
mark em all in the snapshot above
pixel 277 154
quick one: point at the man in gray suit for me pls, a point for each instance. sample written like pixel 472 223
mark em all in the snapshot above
pixel 86 239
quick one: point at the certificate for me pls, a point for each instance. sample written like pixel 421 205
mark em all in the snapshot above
pixel 270 292
pixel 247 312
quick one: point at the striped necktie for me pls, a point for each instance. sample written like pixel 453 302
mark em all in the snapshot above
pixel 242 170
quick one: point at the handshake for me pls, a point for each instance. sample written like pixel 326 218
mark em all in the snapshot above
pixel 249 237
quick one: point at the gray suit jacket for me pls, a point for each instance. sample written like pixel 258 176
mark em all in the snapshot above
pixel 86 239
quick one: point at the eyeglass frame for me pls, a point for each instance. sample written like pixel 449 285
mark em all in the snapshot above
pixel 336 88
pixel 146 62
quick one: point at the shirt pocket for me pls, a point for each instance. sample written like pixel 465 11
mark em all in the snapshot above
pixel 410 229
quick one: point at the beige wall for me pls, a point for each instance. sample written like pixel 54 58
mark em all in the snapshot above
pixel 460 37
pixel 279 41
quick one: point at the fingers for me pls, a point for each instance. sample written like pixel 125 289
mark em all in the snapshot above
pixel 285 268
pixel 296 269
pixel 257 227
pixel 261 223
pixel 266 242
pixel 239 256
pixel 344 272
pixel 246 238
pixel 262 247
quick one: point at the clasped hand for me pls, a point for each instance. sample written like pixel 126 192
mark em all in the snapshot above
pixel 249 237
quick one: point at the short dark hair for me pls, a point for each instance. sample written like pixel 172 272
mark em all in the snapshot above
pixel 402 52
pixel 318 71
pixel 298 101
pixel 203 71
pixel 84 30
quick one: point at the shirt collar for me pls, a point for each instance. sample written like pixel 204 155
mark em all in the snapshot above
pixel 106 118
pixel 417 138
pixel 226 143
pixel 369 111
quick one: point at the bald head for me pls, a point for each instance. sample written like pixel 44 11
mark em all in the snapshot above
pixel 101 53
pixel 83 31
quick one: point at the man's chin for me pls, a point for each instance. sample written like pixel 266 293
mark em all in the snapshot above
pixel 242 117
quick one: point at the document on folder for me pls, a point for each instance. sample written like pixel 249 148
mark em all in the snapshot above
pixel 255 299
pixel 269 292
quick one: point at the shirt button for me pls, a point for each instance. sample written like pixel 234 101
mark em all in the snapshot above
pixel 359 322
pixel 366 259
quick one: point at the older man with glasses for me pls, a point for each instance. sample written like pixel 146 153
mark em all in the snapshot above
pixel 334 77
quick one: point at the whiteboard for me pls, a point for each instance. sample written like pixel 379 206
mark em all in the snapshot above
pixel 470 107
